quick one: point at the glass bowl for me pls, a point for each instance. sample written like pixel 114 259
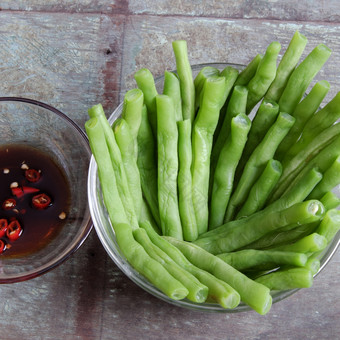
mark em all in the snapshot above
pixel 38 125
pixel 106 234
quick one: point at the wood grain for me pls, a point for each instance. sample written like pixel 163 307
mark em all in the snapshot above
pixel 73 54
pixel 254 9
pixel 67 6
pixel 291 10
pixel 71 62
pixel 148 43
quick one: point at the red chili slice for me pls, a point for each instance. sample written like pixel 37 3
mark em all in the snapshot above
pixel 14 230
pixel 3 227
pixel 9 204
pixel 29 190
pixel 41 201
pixel 32 175
pixel 17 191
pixel 2 246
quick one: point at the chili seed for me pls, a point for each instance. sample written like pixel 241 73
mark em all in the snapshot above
pixel 24 166
pixel 62 215
pixel 14 185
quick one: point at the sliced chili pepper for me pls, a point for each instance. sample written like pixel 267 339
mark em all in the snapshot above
pixel 14 230
pixel 9 204
pixel 41 201
pixel 17 191
pixel 2 246
pixel 3 227
pixel 29 190
pixel 32 175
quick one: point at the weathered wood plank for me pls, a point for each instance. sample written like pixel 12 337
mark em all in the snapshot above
pixel 65 61
pixel 67 6
pixel 309 314
pixel 148 43
pixel 291 10
pixel 73 60
pixel 65 303
pixel 88 297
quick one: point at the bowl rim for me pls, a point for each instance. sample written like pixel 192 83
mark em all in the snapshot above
pixel 50 108
pixel 42 269
pixel 134 276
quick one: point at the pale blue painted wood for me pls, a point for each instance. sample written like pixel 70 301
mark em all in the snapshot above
pixel 73 54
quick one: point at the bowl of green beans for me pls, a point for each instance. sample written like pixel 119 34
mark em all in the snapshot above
pixel 208 187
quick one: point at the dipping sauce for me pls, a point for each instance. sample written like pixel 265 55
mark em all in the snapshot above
pixel 34 195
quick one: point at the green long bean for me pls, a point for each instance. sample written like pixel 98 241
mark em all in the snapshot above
pixel 146 83
pixel 250 258
pixel 236 104
pixel 249 71
pixel 264 118
pixel 296 195
pixel 319 122
pixel 302 113
pixel 264 76
pixel 146 215
pixel 308 244
pixel 185 77
pixel 261 189
pixel 126 144
pixel 280 238
pixel 167 142
pixel 257 162
pixel 284 279
pixel 106 172
pixel 205 73
pixel 219 290
pixel 251 230
pixel 287 65
pixel 197 291
pixel 230 74
pixel 330 200
pixel 146 265
pixel 202 139
pixel 132 113
pixel 147 165
pixel 329 225
pixel 285 238
pixel 186 206
pixel 295 164
pixel 255 295
pixel 225 169
pixel 302 76
pixel 313 265
pixel 322 160
pixel 118 166
pixel 330 179
pixel 172 88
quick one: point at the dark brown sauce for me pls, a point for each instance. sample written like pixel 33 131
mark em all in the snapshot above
pixel 39 226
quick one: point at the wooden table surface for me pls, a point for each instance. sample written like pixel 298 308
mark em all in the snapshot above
pixel 74 54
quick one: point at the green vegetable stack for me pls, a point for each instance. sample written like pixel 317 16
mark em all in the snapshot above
pixel 210 205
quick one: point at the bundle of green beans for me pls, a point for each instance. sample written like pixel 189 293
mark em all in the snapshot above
pixel 210 205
